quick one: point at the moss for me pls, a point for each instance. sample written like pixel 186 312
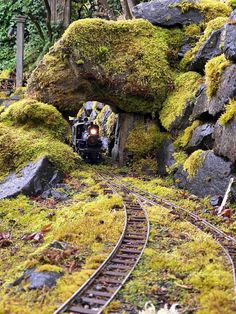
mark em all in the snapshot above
pixel 34 114
pixel 122 71
pixel 186 85
pixel 214 69
pixel 211 9
pixel 145 165
pixel 184 138
pixel 5 74
pixel 194 162
pixel 18 146
pixel 192 30
pixel 50 268
pixel 211 26
pixel 143 139
pixel 229 113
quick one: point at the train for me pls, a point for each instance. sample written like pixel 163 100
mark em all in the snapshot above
pixel 86 140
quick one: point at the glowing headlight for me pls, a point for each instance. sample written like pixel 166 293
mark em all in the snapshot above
pixel 93 131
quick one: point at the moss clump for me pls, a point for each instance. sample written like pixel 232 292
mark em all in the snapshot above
pixel 19 146
pixel 214 69
pixel 192 30
pixel 121 71
pixel 49 267
pixel 145 166
pixel 184 138
pixel 194 162
pixel 229 112
pixel 186 85
pixel 143 139
pixel 210 8
pixel 34 114
pixel 211 26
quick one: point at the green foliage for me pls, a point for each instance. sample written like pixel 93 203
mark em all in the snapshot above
pixel 214 69
pixel 230 111
pixel 186 85
pixel 33 114
pixel 194 162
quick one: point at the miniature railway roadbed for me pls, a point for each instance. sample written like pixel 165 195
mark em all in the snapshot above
pixel 227 242
pixel 101 288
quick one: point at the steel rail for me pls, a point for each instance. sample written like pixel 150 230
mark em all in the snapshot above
pixel 73 304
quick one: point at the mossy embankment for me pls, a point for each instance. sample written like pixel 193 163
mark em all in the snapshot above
pixel 89 225
pixel 125 64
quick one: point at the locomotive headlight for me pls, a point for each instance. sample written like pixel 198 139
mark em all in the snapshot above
pixel 93 131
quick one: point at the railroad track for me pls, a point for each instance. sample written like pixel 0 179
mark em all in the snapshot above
pixel 227 242
pixel 101 288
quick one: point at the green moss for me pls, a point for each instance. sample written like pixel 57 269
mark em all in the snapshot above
pixel 18 146
pixel 186 85
pixel 211 26
pixel 211 9
pixel 122 71
pixel 49 267
pixel 192 30
pixel 214 69
pixel 194 162
pixel 232 3
pixel 34 114
pixel 184 138
pixel 229 113
pixel 143 139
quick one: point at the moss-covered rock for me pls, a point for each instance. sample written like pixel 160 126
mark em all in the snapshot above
pixel 33 114
pixel 214 69
pixel 123 63
pixel 178 101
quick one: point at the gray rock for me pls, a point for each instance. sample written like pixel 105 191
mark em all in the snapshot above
pixel 32 180
pixel 216 200
pixel 166 13
pixel 212 178
pixel 38 280
pixel 215 105
pixel 230 35
pixel 185 48
pixel 225 139
pixel 165 156
pixel 60 245
pixel 210 49
pixel 202 137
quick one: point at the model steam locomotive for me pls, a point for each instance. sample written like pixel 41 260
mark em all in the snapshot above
pixel 86 140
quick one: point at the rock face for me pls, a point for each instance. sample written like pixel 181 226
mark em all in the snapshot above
pixel 32 180
pixel 225 91
pixel 167 13
pixel 225 139
pixel 103 67
pixel 230 35
pixel 202 137
pixel 210 49
pixel 165 157
pixel 211 179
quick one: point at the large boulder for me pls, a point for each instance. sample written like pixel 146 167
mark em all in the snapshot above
pixel 132 74
pixel 229 46
pixel 169 13
pixel 210 49
pixel 210 179
pixel 32 180
pixel 225 139
pixel 215 104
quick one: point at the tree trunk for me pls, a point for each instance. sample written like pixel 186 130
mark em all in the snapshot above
pixel 127 6
pixel 48 19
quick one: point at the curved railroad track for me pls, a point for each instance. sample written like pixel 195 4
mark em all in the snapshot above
pixel 227 242
pixel 101 288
